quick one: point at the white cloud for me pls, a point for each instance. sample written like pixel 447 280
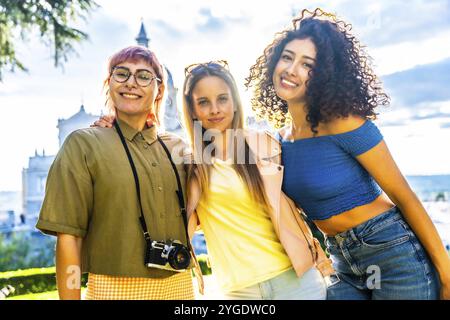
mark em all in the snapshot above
pixel 406 55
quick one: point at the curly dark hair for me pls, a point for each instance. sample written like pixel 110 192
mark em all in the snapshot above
pixel 341 83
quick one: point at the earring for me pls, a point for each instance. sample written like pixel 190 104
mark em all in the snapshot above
pixel 151 119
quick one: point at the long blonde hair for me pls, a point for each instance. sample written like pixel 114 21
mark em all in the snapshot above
pixel 248 171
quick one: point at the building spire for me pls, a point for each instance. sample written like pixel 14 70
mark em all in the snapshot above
pixel 142 39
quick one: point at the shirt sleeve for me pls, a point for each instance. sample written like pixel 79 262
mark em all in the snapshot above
pixel 69 191
pixel 360 140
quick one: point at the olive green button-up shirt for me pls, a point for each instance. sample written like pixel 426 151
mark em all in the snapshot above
pixel 91 193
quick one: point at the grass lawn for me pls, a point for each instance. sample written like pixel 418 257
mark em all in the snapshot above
pixel 211 292
pixel 50 295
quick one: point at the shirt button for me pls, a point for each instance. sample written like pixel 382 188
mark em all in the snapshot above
pixel 279 168
pixel 154 164
pixel 160 188
pixel 145 146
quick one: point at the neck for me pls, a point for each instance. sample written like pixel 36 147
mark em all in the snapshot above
pixel 136 121
pixel 298 112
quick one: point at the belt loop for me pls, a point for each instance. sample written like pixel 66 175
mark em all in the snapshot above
pixel 353 235
pixel 339 239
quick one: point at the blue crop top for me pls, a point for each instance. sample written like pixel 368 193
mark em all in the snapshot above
pixel 322 175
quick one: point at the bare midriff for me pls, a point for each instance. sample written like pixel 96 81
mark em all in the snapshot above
pixel 356 216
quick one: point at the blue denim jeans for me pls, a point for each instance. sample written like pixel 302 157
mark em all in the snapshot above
pixel 286 286
pixel 381 259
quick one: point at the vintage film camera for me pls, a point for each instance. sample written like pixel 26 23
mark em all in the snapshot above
pixel 170 255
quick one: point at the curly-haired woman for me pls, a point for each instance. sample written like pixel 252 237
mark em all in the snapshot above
pixel 317 78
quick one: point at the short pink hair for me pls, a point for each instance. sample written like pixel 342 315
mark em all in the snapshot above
pixel 135 54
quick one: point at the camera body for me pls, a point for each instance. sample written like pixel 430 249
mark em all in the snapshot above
pixel 169 255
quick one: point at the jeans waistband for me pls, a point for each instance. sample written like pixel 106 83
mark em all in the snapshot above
pixel 351 235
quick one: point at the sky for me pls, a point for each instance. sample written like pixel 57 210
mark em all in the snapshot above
pixel 408 41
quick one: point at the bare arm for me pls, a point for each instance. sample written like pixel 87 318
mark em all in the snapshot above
pixel 68 266
pixel 193 224
pixel 193 197
pixel 379 163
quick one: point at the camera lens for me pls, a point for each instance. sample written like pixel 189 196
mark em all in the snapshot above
pixel 179 257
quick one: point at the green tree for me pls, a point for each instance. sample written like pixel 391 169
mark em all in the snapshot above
pixel 43 253
pixel 13 252
pixel 50 17
pixel 440 196
pixel 22 251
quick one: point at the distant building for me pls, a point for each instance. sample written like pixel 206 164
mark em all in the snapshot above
pixel 172 121
pixel 81 119
pixel 10 203
pixel 7 221
pixel 33 183
pixel 171 118
pixel 34 177
pixel 142 38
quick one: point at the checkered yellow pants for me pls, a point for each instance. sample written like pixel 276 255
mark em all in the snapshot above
pixel 176 287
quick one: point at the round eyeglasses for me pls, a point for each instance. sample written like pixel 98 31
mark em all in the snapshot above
pixel 142 77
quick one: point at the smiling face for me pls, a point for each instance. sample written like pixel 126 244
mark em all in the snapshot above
pixel 213 103
pixel 128 97
pixel 291 71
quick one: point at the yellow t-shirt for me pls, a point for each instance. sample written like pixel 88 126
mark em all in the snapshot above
pixel 242 244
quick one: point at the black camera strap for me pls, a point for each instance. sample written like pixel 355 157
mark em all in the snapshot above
pixel 179 192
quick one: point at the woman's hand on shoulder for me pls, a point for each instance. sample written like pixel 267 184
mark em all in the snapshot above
pixel 104 121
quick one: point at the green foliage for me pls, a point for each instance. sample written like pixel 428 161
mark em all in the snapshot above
pixel 43 254
pixel 440 197
pixel 21 252
pixel 32 280
pixel 204 264
pixel 13 252
pixel 50 18
pixel 50 295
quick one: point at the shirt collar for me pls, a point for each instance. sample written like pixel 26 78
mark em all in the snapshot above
pixel 149 133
